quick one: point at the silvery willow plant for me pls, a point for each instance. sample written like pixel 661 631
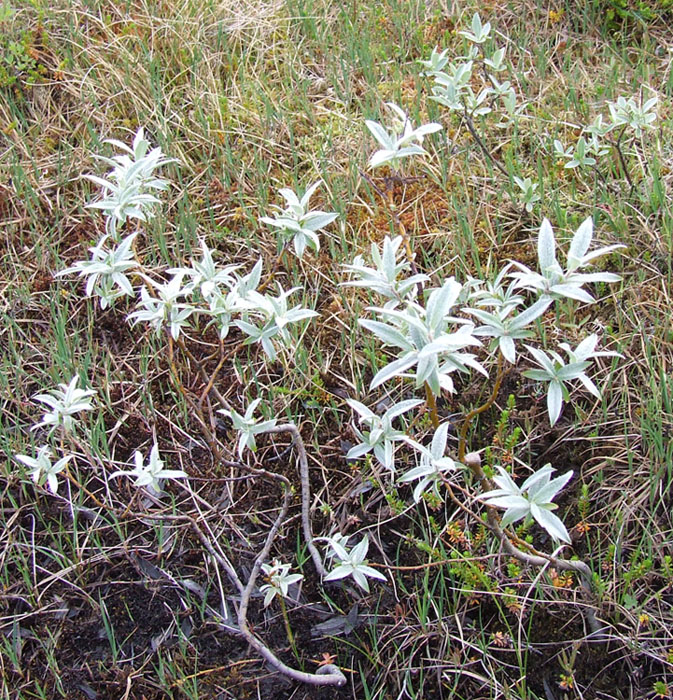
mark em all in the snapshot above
pixel 453 89
pixel 432 341
pixel 555 282
pixel 598 128
pixel 151 474
pixel 451 84
pixel 297 223
pixel 505 326
pixel 579 156
pixel 65 402
pixel 279 581
pixel 627 112
pixel 381 436
pixel 218 292
pixel 496 61
pixel 501 323
pixel 477 104
pixel 561 151
pixel 337 537
pixel 494 294
pixel 205 276
pixel 107 270
pixel 533 499
pixel 42 468
pixel 583 153
pixel 164 310
pixel 247 426
pixel 127 189
pixel 499 89
pixel 221 288
pixel 426 339
pixel 528 195
pixel 182 295
pixel 434 464
pixel 229 297
pixel 352 562
pixel 384 277
pixel 274 316
pixel 596 146
pixel 401 140
pixel 512 110
pixel 222 306
pixel 263 317
pixel 436 63
pixel 478 32
pixel 452 79
pixel 558 373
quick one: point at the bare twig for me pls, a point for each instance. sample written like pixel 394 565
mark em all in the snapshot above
pixel 298 443
pixel 219 557
pixel 387 199
pixel 329 675
pixel 482 145
pixel 622 160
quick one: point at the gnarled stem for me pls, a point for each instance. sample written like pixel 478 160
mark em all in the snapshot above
pixel 328 675
pixel 331 675
pixel 298 443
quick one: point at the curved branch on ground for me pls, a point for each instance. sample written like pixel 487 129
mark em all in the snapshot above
pixel 298 443
pixel 328 676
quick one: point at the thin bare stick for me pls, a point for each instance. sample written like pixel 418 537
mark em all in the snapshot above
pixel 431 402
pixel 482 145
pixel 204 375
pixel 298 443
pixel 219 558
pixel 387 199
pixel 206 431
pixel 73 480
pixel 271 275
pixel 211 382
pixel 326 675
pixel 622 160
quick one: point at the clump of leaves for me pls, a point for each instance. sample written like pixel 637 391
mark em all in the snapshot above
pixel 296 222
pixel 352 562
pixel 533 499
pixel 399 141
pixel 152 473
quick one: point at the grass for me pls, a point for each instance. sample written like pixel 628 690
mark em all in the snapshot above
pixel 251 97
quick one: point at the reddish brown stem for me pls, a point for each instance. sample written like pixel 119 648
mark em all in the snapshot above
pixel 462 441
